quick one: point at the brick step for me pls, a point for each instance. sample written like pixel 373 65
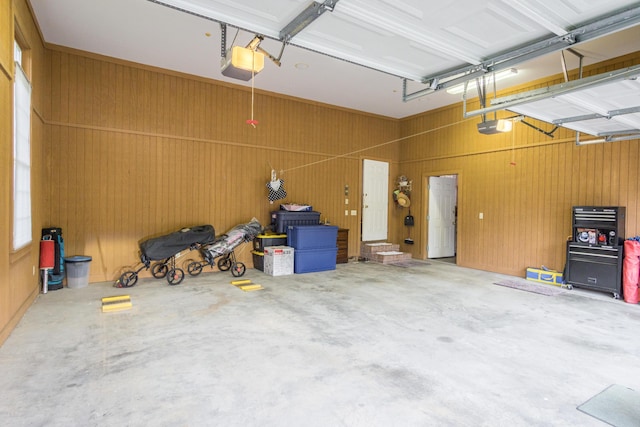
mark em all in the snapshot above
pixel 368 249
pixel 389 257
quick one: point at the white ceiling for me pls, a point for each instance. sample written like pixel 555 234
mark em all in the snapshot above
pixel 390 39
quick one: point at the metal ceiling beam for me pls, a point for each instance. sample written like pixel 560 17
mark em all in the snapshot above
pixel 625 132
pixel 616 22
pixel 504 103
pixel 594 116
pixel 306 17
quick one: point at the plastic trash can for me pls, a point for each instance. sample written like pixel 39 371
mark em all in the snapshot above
pixel 77 268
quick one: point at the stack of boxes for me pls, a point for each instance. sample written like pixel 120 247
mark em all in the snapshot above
pixel 315 247
pixel 263 241
pixel 306 247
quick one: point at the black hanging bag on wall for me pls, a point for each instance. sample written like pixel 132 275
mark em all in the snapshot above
pixel 408 220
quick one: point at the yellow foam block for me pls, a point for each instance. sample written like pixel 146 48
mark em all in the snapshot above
pixel 116 298
pixel 252 287
pixel 241 282
pixel 116 303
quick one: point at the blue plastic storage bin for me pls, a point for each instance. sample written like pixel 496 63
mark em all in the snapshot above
pixel 312 260
pixel 283 219
pixel 312 236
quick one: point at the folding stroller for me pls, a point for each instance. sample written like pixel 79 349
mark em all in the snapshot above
pixel 223 247
pixel 164 249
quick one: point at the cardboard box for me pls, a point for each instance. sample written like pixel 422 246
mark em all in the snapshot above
pixel 278 260
pixel 550 277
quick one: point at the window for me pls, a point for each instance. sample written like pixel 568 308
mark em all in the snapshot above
pixel 22 234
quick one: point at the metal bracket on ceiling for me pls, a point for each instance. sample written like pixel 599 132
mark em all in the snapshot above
pixel 306 17
pixel 563 62
pixel 549 133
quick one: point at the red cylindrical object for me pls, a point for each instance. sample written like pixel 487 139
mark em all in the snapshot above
pixel 631 271
pixel 47 254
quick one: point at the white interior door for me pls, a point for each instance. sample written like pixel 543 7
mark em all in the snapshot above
pixel 375 200
pixel 441 218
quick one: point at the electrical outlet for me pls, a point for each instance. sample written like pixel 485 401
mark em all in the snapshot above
pixel 346 201
pixel 346 212
pixel 354 212
pixel 480 215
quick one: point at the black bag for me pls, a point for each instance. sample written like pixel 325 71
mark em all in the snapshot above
pixel 159 248
pixel 408 220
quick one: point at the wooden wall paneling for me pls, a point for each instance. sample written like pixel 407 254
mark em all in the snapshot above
pixel 623 182
pixel 615 173
pixel 6 37
pixel 558 227
pixel 555 219
pixel 607 178
pixel 71 76
pixel 598 172
pixel 56 86
pixel 544 191
pixel 543 210
pixel 8 306
pixel 502 209
pixel 576 178
pixel 79 104
pixel 565 194
pixel 518 200
pixel 93 88
pixel 92 190
pixel 586 175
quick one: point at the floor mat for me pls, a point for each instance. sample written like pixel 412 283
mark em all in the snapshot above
pixel 406 264
pixel 616 405
pixel 525 285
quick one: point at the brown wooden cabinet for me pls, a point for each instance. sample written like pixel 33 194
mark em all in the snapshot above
pixel 342 257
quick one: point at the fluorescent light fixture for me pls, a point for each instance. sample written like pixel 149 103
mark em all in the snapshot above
pixel 242 63
pixel 491 127
pixel 500 75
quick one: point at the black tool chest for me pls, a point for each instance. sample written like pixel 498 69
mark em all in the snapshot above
pixel 594 253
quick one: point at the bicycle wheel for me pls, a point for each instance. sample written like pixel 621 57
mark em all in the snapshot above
pixel 224 263
pixel 127 279
pixel 159 270
pixel 175 276
pixel 238 269
pixel 194 268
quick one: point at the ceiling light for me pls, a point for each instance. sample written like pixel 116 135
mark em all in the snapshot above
pixel 500 75
pixel 242 63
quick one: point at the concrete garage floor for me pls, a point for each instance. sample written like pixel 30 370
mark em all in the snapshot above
pixel 364 345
